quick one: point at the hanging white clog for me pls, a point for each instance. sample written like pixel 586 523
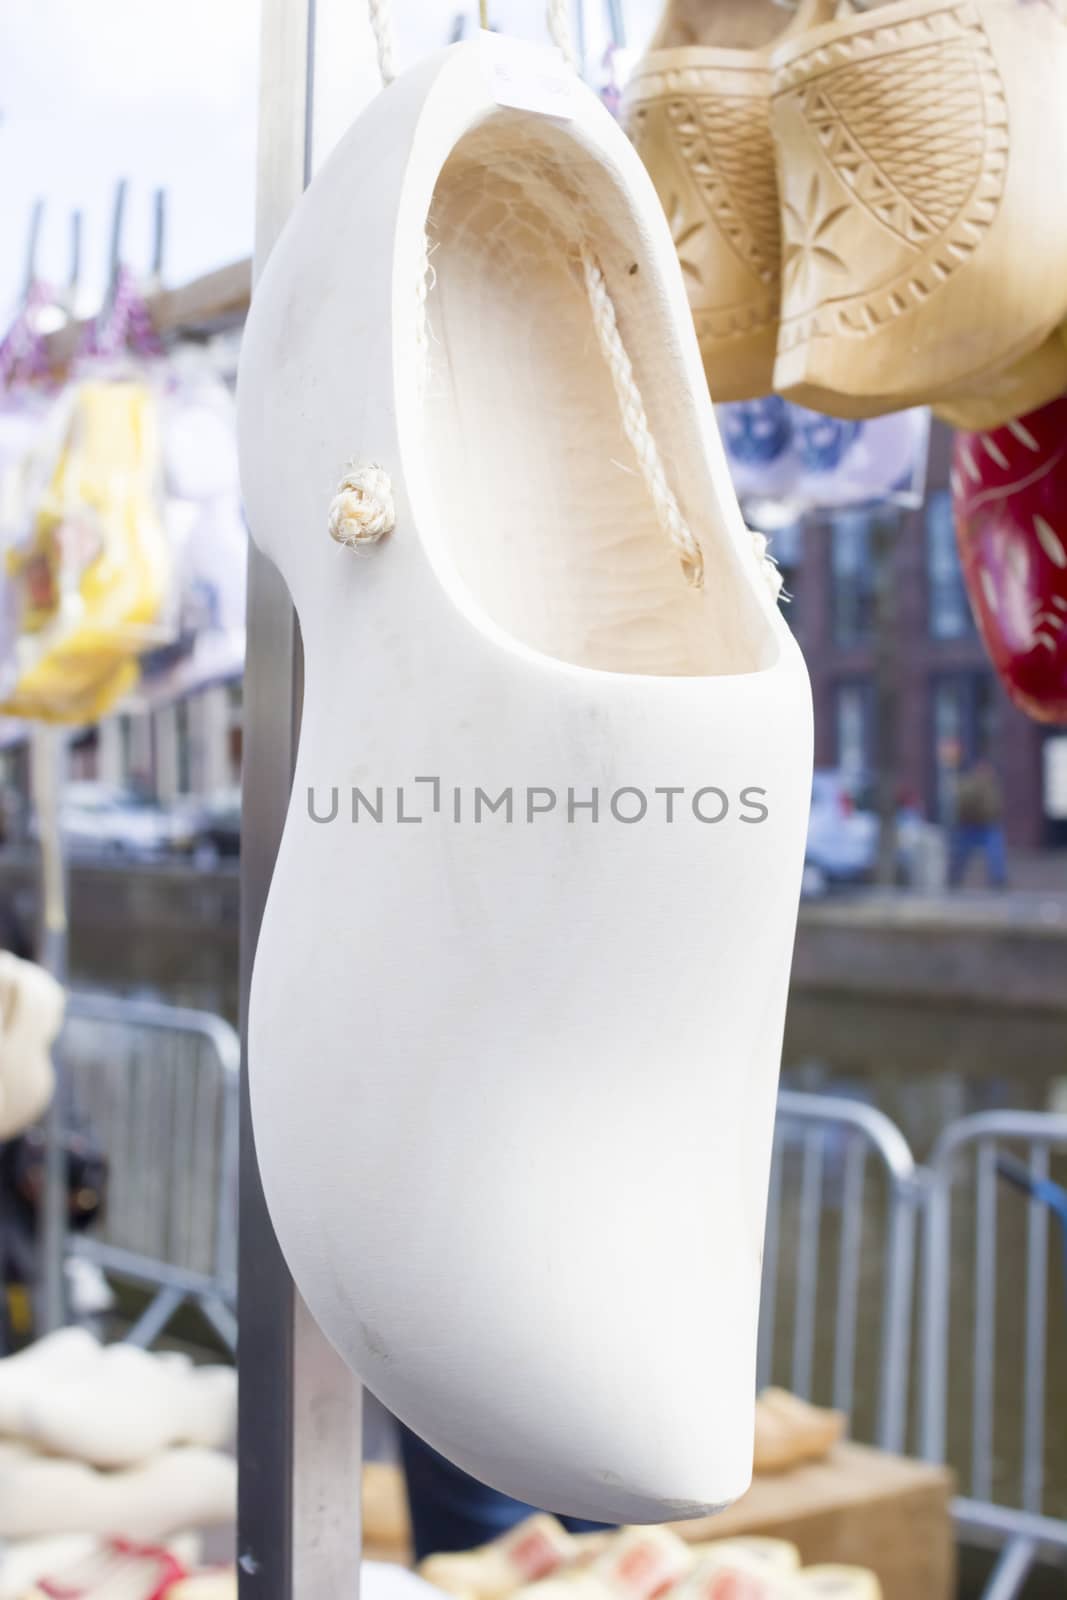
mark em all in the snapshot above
pixel 519 993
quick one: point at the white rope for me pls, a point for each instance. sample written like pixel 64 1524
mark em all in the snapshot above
pixel 558 16
pixel 635 426
pixel 423 284
pixel 381 21
pixel 362 511
pixel 559 26
pixel 635 421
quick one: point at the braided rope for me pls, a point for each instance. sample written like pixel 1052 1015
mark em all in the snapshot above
pixel 381 21
pixel 380 12
pixel 635 426
pixel 423 284
pixel 558 13
pixel 362 510
pixel 635 421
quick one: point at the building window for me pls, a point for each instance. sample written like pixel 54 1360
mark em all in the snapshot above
pixel 948 608
pixel 852 577
pixel 854 727
pixel 83 754
pixel 1054 788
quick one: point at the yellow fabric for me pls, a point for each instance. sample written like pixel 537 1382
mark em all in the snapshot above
pixel 92 577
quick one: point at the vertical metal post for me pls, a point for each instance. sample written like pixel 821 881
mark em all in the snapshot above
pixel 935 1314
pixel 299 1410
pixel 885 535
pixel 48 757
pixel 899 1277
pixel 33 242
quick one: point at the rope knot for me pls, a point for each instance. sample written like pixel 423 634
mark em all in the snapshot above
pixel 362 511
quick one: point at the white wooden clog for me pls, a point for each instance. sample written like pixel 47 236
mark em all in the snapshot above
pixel 31 1013
pixel 174 1492
pixel 24 1562
pixel 519 993
pixel 129 1405
pixel 61 1357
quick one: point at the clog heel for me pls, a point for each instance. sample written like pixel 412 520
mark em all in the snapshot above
pixel 518 999
pixel 1023 386
pixel 698 109
pixel 922 152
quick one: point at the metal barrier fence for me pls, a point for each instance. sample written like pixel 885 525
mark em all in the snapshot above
pixel 987 1251
pixel 838 1262
pixel 156 1086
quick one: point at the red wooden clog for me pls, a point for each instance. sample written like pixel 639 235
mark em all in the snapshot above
pixel 1009 491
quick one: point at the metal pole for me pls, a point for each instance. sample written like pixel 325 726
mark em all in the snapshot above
pixel 299 1408
pixel 33 242
pixel 885 534
pixel 114 253
pixel 1011 1571
pixel 48 753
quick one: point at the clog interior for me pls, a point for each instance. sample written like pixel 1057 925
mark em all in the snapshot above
pixel 536 487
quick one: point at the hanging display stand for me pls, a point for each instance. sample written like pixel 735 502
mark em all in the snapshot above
pixel 299 1419
pixel 48 758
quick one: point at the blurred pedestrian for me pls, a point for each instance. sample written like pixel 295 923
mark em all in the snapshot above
pixel 979 827
pixel 452 1511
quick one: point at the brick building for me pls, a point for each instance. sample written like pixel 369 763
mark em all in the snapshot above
pixel 945 704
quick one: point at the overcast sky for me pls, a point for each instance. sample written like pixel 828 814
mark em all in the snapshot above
pixel 162 92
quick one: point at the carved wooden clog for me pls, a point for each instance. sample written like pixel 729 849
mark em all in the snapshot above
pixel 1023 386
pixel 698 109
pixel 528 1553
pixel 117 1569
pixel 922 153
pixel 1009 491
pixel 513 1068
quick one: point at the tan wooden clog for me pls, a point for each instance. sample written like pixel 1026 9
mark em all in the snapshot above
pixel 1022 387
pixel 790 1431
pixel 698 110
pixel 922 151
